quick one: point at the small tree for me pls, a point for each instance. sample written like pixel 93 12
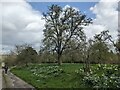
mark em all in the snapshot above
pixel 86 53
pixel 100 51
pixel 63 25
pixel 27 55
pixel 106 36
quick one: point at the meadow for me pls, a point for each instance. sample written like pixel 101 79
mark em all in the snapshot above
pixel 69 75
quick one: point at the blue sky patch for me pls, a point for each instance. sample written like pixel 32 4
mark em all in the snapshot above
pixel 84 7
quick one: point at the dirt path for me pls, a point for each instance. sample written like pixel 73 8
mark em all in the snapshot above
pixel 13 82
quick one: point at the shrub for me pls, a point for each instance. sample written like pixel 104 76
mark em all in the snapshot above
pixel 103 76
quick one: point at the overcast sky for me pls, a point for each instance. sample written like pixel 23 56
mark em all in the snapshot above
pixel 21 21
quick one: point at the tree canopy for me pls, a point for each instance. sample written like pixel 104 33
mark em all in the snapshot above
pixel 63 26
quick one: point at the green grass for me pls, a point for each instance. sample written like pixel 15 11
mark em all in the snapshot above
pixel 64 79
pixel 51 75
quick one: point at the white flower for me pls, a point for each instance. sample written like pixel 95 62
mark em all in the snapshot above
pixel 103 74
pixel 105 65
pixel 76 71
pixel 115 81
pixel 99 65
pixel 118 86
pixel 116 69
pixel 38 80
pixel 110 81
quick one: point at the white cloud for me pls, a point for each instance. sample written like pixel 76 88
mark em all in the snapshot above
pixel 91 30
pixel 20 24
pixel 106 18
pixel 68 6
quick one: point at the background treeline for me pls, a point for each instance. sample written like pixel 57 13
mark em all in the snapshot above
pixel 98 53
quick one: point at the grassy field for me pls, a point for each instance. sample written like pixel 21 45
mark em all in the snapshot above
pixel 53 76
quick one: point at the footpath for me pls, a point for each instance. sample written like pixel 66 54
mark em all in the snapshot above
pixel 0 78
pixel 12 82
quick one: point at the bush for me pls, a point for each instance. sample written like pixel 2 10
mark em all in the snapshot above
pixel 103 76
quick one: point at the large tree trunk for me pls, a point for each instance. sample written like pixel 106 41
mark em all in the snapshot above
pixel 59 53
pixel 118 59
pixel 119 54
pixel 59 59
